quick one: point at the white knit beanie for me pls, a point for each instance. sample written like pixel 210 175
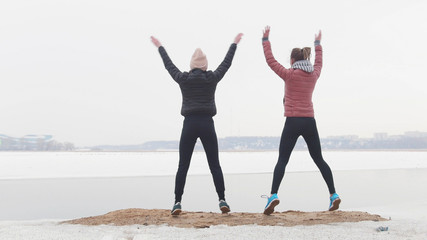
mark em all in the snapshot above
pixel 198 60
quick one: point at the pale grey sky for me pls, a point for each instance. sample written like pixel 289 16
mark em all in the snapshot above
pixel 86 71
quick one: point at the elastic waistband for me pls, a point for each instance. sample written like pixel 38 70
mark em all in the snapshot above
pixel 299 117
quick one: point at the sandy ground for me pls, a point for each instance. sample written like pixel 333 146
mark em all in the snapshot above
pixel 207 219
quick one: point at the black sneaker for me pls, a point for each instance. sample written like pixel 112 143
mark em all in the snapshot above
pixel 176 210
pixel 224 206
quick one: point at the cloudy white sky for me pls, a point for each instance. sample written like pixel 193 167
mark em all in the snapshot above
pixel 86 71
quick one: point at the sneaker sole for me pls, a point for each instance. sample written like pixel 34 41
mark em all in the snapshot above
pixel 225 209
pixel 335 205
pixel 270 208
pixel 176 212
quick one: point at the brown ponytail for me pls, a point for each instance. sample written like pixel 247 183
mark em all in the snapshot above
pixel 301 54
pixel 306 53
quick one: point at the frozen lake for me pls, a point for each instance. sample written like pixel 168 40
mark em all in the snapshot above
pixel 50 185
pixel 28 165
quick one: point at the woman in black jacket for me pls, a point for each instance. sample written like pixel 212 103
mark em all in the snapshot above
pixel 198 107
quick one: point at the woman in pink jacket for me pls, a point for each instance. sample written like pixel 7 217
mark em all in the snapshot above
pixel 300 81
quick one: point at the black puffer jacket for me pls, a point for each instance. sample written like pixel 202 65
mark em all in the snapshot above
pixel 198 86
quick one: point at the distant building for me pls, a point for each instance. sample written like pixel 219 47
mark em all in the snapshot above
pixel 380 136
pixel 343 137
pixel 416 134
pixel 29 143
pixel 36 142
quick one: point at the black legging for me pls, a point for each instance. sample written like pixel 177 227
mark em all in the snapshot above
pixel 295 127
pixel 198 127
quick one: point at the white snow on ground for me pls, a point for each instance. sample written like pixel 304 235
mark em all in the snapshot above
pixel 38 230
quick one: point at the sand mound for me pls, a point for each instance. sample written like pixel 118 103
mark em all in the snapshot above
pixel 206 219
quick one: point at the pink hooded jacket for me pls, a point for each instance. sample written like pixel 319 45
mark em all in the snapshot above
pixel 299 85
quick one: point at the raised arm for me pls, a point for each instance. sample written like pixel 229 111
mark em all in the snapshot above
pixel 318 62
pixel 172 69
pixel 226 63
pixel 271 61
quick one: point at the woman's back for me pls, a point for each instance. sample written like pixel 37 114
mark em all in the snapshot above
pixel 300 82
pixel 198 92
pixel 198 86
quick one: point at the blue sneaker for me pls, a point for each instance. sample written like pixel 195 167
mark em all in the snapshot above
pixel 224 206
pixel 176 210
pixel 272 202
pixel 335 202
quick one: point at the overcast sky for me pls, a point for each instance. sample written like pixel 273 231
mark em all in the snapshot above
pixel 87 72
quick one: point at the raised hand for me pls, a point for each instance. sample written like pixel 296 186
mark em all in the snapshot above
pixel 238 38
pixel 156 42
pixel 318 37
pixel 266 32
